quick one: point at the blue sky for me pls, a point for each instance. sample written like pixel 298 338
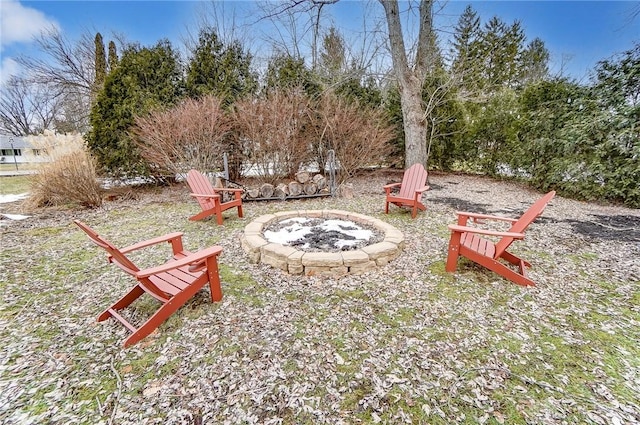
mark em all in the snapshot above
pixel 577 33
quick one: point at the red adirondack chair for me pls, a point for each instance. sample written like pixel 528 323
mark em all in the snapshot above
pixel 172 283
pixel 466 241
pixel 210 198
pixel 413 184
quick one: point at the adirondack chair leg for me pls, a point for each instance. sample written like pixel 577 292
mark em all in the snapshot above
pixel 515 260
pixel 238 198
pixel 417 206
pixel 454 252
pixel 163 313
pixel 509 274
pixel 214 279
pixel 497 267
pixel 386 207
pixel 219 218
pixel 201 215
pixel 123 302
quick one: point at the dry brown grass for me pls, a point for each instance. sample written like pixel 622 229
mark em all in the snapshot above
pixel 70 178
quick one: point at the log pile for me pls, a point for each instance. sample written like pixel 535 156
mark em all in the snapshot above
pixel 304 185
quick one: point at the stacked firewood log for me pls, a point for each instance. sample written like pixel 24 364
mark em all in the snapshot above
pixel 305 184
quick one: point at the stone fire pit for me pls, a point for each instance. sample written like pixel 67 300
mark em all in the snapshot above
pixel 299 261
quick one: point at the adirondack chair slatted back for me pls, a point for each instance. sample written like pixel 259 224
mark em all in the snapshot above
pixel 114 253
pixel 414 178
pixel 200 184
pixel 172 283
pixel 523 222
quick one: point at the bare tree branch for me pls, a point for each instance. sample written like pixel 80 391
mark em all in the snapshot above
pixel 67 69
pixel 27 108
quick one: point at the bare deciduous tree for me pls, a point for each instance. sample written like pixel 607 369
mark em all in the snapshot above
pixel 193 134
pixel 284 15
pixel 66 64
pixel 410 69
pixel 26 108
pixel 359 136
pixel 67 68
pixel 272 129
pixel 411 75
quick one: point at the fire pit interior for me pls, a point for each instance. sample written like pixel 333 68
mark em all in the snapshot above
pixel 325 242
pixel 321 234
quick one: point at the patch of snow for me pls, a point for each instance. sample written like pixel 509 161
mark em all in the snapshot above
pixel 292 230
pixel 111 183
pixel 348 228
pixel 297 228
pixel 5 199
pixel 15 216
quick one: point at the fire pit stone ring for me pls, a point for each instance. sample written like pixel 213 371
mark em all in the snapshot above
pixel 295 261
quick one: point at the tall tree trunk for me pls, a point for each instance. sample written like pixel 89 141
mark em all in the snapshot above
pixel 411 77
pixel 415 125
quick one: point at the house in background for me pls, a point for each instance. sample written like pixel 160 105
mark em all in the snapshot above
pixel 16 150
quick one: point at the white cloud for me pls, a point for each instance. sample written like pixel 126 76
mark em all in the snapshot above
pixel 19 23
pixel 8 68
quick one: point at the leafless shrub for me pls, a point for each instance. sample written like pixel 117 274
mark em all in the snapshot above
pixel 69 179
pixel 359 135
pixel 273 130
pixel 193 134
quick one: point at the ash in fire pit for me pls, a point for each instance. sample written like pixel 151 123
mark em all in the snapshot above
pixel 321 235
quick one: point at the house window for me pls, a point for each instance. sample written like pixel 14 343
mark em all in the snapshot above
pixel 11 152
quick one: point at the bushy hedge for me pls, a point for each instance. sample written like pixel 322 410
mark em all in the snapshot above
pixel 275 134
pixel 192 134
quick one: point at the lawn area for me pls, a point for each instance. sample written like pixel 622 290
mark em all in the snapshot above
pixel 405 343
pixel 14 185
pixel 10 166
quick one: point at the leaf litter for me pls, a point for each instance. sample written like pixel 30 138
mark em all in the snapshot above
pixel 406 343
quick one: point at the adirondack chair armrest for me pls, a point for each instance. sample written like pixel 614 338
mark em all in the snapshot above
pixel 191 259
pixel 170 237
pixel 204 195
pixel 423 189
pixel 465 229
pixel 477 217
pixel 122 266
pixel 387 188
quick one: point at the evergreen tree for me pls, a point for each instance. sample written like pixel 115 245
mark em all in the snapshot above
pixel 285 72
pixel 332 56
pixel 500 47
pixel 617 81
pixel 224 71
pixel 534 62
pixel 583 140
pixel 113 56
pixel 466 49
pixel 145 79
pixel 100 62
pixel 365 92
